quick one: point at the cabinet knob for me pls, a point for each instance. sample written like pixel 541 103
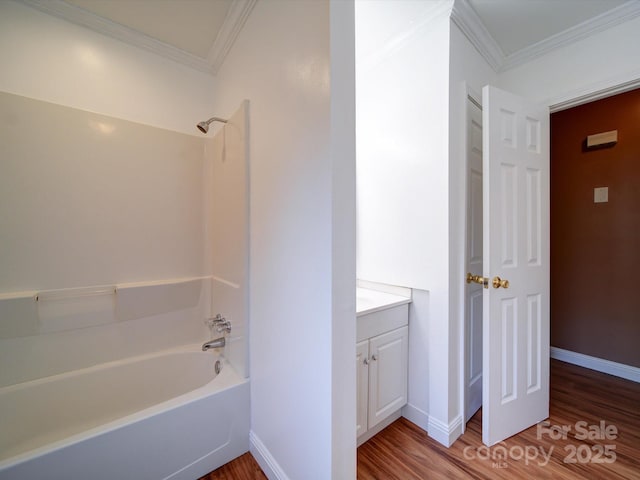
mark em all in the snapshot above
pixel 366 361
pixel 374 357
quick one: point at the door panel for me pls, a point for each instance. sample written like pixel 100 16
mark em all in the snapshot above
pixel 387 374
pixel 515 248
pixel 473 291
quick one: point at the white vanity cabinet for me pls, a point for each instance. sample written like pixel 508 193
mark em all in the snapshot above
pixel 381 365
pixel 362 372
pixel 382 377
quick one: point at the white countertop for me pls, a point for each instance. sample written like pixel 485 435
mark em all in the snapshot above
pixel 369 301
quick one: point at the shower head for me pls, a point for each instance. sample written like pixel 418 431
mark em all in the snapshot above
pixel 204 126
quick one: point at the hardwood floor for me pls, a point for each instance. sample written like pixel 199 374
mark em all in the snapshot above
pixel 404 452
pixel 242 468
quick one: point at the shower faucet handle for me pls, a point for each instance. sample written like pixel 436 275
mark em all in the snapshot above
pixel 218 322
pixel 224 326
pixel 213 321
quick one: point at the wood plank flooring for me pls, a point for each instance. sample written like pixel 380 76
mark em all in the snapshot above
pixel 405 452
pixel 244 467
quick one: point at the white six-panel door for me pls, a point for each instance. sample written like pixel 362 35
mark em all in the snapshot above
pixel 473 291
pixel 516 249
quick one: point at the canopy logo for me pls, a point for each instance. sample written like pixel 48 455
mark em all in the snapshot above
pixel 595 451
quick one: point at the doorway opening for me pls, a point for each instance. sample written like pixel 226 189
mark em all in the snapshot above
pixel 473 304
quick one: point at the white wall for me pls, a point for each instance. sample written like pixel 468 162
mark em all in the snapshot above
pixel 403 180
pixel 49 59
pixel 418 375
pixel 411 200
pixel 281 62
pixel 597 62
pixel 402 120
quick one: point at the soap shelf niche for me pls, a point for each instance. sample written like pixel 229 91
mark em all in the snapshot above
pixel 48 311
pixel 72 293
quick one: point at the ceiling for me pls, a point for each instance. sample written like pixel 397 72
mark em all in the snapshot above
pixel 517 24
pixel 199 33
pixel 196 33
pixel 190 25
pixel 508 33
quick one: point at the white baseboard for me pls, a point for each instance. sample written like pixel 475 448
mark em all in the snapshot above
pixel 444 433
pixel 598 364
pixel 263 456
pixel 416 416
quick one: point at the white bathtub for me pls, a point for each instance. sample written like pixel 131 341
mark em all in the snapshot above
pixel 159 416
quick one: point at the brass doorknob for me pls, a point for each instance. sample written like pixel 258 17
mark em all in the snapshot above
pixel 498 282
pixel 484 281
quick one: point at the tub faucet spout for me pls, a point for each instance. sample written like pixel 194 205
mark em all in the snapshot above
pixel 215 343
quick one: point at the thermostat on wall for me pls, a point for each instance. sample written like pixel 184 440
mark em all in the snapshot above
pixel 601 195
pixel 602 139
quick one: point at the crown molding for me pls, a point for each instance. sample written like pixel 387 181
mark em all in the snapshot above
pixel 616 16
pixel 596 91
pixel 441 10
pixel 235 19
pixel 468 21
pixel 466 18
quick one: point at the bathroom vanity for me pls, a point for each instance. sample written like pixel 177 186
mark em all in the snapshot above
pixel 382 335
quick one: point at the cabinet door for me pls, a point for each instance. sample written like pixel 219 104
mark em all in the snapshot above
pixel 362 371
pixel 387 374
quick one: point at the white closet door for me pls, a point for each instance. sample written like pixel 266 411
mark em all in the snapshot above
pixel 515 249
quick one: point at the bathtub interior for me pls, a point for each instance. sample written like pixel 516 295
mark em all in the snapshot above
pixel 182 438
pixel 36 413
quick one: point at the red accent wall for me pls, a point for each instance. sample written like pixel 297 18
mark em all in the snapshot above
pixel 595 247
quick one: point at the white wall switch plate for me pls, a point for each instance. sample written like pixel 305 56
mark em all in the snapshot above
pixel 601 195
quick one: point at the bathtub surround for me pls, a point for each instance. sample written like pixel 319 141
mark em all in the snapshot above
pixel 90 206
pixel 50 336
pixel 94 200
pixel 89 201
pixel 228 154
pixel 30 313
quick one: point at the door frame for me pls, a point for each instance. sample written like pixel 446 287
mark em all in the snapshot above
pixel 569 100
